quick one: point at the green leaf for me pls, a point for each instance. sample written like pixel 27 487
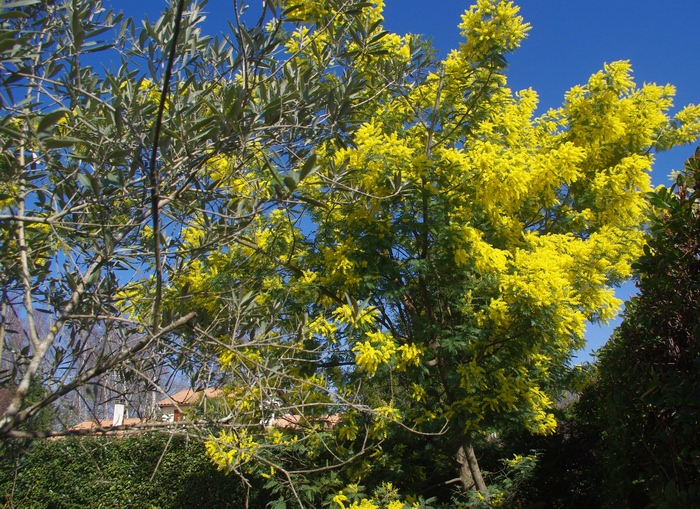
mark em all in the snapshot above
pixel 290 182
pixel 51 119
pixel 89 182
pixel 92 278
pixel 71 281
pixel 13 14
pixel 17 3
pixel 313 201
pixel 54 142
pixel 309 167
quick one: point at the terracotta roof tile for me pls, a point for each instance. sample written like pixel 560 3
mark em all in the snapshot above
pixel 104 423
pixel 188 396
pixel 293 421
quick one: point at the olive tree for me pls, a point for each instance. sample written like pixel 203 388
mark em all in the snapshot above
pixel 118 141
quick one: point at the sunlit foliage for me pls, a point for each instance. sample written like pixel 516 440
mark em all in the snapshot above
pixel 438 267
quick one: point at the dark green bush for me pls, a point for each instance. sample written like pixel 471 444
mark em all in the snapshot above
pixel 646 395
pixel 118 472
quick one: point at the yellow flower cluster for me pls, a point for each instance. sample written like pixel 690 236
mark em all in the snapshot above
pixel 375 351
pixel 492 26
pixel 378 157
pixel 540 421
pixel 322 327
pixel 149 92
pixel 313 10
pixel 504 391
pixel 384 416
pixel 9 191
pixel 418 393
pixel 320 25
pixel 340 266
pixel 357 317
pixel 389 499
pixel 229 450
pixel 192 236
pixel 409 355
pixel 348 428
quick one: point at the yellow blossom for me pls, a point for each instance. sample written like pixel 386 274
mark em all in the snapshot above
pixel 376 350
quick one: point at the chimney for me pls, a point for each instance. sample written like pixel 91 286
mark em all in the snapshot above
pixel 118 419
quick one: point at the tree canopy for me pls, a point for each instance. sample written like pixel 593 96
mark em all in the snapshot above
pixel 439 267
pixel 118 140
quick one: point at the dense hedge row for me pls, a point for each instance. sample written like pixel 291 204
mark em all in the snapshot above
pixel 117 472
pixel 646 395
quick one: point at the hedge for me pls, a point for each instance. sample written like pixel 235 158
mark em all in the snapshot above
pixel 118 472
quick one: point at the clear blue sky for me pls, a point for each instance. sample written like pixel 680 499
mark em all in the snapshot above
pixel 569 41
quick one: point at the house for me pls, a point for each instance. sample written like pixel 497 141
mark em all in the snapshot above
pixel 293 421
pixel 105 424
pixel 172 409
pixel 175 407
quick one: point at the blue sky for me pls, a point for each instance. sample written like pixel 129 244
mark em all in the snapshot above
pixel 569 41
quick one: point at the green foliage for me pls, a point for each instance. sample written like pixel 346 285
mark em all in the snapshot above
pixel 150 471
pixel 349 228
pixel 128 171
pixel 566 473
pixel 457 247
pixel 646 395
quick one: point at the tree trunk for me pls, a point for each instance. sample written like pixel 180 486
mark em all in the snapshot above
pixel 465 474
pixel 469 470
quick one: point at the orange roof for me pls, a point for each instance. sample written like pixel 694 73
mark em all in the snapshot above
pixel 188 396
pixel 104 423
pixel 294 421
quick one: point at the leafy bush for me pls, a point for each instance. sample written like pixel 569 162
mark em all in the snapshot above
pixel 646 395
pixel 152 470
